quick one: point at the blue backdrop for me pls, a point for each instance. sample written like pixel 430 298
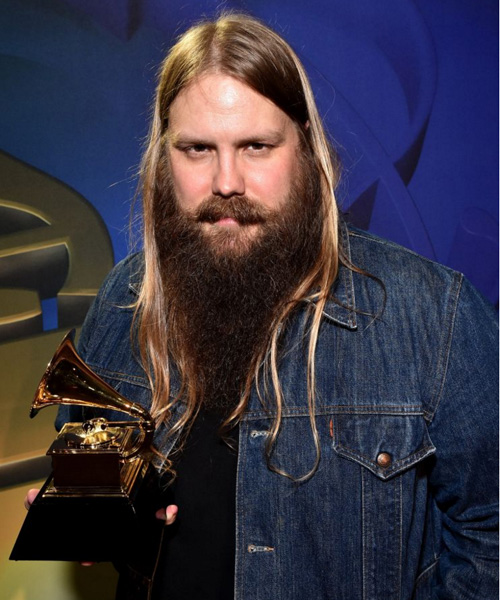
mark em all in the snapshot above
pixel 408 90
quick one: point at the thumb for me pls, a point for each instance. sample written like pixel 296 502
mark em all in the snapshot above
pixel 168 515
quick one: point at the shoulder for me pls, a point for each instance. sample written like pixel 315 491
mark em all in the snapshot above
pixel 407 277
pixel 111 315
pixel 388 260
pixel 124 279
pixel 415 287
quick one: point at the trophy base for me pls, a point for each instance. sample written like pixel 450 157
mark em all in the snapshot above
pixel 93 525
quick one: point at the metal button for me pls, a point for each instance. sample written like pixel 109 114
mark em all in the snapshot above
pixel 255 433
pixel 384 459
pixel 253 548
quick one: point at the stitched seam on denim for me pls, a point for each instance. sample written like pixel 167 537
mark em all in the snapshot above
pixel 241 557
pixel 363 531
pixel 291 412
pixel 349 283
pixel 442 367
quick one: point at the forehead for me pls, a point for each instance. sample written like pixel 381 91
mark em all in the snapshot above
pixel 216 104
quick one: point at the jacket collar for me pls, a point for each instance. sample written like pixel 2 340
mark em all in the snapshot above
pixel 342 310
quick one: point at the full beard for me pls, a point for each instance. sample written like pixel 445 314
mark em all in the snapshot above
pixel 225 287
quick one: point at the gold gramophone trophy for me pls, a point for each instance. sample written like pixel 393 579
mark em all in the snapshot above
pixel 100 500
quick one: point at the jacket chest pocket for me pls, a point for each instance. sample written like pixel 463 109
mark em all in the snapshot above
pixel 387 451
pixel 385 444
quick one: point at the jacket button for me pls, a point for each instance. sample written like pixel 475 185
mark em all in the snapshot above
pixel 384 459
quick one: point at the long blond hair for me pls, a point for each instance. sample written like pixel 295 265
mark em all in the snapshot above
pixel 244 48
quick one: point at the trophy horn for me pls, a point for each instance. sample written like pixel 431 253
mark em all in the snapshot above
pixel 69 380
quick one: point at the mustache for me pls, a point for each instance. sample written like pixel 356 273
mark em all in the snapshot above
pixel 240 208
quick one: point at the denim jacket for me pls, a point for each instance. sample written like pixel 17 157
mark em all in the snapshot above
pixel 403 504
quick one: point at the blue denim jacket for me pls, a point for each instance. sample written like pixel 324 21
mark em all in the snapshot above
pixel 404 502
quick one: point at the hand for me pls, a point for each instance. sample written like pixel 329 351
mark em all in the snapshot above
pixel 168 514
pixel 30 497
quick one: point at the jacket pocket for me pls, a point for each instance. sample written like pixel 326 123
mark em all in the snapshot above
pixel 386 444
pixel 386 451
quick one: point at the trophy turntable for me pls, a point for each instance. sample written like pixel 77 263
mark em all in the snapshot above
pixel 99 502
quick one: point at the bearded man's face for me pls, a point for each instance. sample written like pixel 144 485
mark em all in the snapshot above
pixel 238 227
pixel 233 159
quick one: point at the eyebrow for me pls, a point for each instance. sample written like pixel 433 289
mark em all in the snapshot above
pixel 275 137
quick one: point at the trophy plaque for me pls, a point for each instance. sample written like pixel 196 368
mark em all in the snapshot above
pixel 99 502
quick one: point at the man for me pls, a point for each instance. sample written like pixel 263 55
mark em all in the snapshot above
pixel 325 400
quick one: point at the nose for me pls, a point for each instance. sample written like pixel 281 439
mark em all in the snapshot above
pixel 228 179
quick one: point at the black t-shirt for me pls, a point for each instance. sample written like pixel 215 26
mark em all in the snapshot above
pixel 197 558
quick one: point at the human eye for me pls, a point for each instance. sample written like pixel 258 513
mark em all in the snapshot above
pixel 259 147
pixel 195 149
pixel 192 149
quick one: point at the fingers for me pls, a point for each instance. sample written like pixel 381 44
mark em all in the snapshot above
pixel 171 514
pixel 168 515
pixel 86 564
pixel 30 496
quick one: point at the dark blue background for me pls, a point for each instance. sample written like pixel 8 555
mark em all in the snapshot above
pixel 408 90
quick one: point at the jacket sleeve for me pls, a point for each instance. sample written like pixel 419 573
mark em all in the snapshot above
pixel 464 429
